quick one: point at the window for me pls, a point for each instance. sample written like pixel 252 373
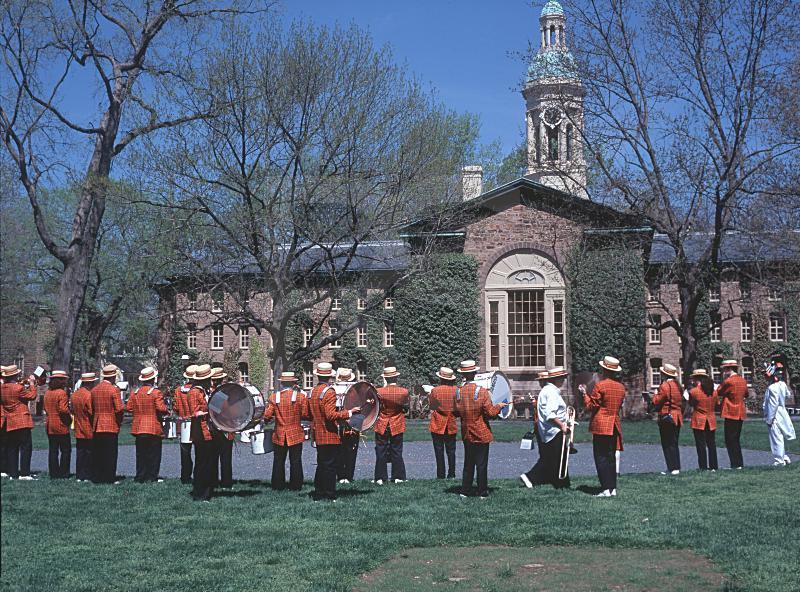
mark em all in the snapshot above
pixel 361 371
pixel 558 332
pixel 654 293
pixel 244 373
pixel 191 336
pixel 388 334
pixel 777 327
pixel 716 373
pixel 655 377
pixel 191 299
pixel 336 303
pixel 744 289
pixel 244 300
pixel 217 337
pixel 217 301
pixel 308 375
pixel 654 331
pixel 308 335
pixel 244 337
pixel 361 336
pixel 552 143
pixel 747 326
pixel 361 303
pixel 19 362
pixel 494 334
pixel 775 294
pixel 333 328
pixel 538 141
pixel 715 330
pixel 388 303
pixel 713 293
pixel 526 331
pixel 747 370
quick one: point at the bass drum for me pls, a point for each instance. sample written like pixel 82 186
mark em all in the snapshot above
pixel 500 389
pixel 235 408
pixel 358 394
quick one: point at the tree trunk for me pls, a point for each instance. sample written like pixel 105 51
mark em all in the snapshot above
pixel 71 293
pixel 167 308
pixel 689 299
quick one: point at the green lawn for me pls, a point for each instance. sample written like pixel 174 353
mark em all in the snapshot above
pixel 68 536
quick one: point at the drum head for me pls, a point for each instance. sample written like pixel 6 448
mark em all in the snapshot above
pixel 500 388
pixel 231 407
pixel 364 395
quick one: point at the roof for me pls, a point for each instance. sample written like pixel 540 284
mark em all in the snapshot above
pixel 552 7
pixel 736 247
pixel 553 63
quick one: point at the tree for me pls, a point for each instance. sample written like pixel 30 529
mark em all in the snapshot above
pixel 140 59
pixel 679 126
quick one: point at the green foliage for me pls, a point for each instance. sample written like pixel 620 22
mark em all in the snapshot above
pixel 258 365
pixel 372 357
pixel 230 362
pixel 606 307
pixel 437 318
pixel 177 348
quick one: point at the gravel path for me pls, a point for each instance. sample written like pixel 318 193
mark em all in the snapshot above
pixel 506 460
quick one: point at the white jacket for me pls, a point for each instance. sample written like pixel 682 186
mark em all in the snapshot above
pixel 775 408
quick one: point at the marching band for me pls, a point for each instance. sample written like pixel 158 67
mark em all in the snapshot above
pixel 339 415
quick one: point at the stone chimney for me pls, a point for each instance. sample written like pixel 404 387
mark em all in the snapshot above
pixel 472 181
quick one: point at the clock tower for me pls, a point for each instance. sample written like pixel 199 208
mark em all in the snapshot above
pixel 554 109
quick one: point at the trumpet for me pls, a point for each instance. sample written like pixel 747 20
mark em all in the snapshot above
pixel 566 447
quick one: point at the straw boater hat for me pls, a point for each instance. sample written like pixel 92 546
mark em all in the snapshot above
pixel 729 364
pixel 109 371
pixel 699 372
pixel 202 372
pixel 146 374
pixel 468 366
pixel 218 374
pixel 58 374
pixel 288 377
pixel 9 371
pixel 669 370
pixel 610 363
pixel 557 372
pixel 542 375
pixel 189 372
pixel 446 373
pixel 88 377
pixel 324 369
pixel 390 372
pixel 344 375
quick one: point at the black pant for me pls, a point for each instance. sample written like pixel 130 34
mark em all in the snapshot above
pixel 59 456
pixel 225 461
pixel 476 460
pixel 348 453
pixel 204 469
pixel 325 475
pixel 389 448
pixel 605 462
pixel 19 448
pixel 547 469
pixel 295 454
pixel 733 431
pixel 104 457
pixel 83 459
pixel 706 444
pixel 3 450
pixel 669 444
pixel 444 443
pixel 148 457
pixel 186 463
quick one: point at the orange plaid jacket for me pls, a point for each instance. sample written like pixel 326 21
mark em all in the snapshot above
pixel 107 408
pixel 704 409
pixel 82 411
pixel 324 415
pixel 392 398
pixel 442 403
pixel 15 399
pixel 605 401
pixel 669 400
pixel 181 400
pixel 197 402
pixel 56 406
pixel 732 392
pixel 147 405
pixel 475 413
pixel 287 415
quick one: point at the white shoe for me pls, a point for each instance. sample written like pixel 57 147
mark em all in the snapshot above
pixel 400 480
pixel 378 482
pixel 663 472
pixel 613 493
pixel 3 474
pixel 462 495
pixel 118 482
pixel 344 481
pixel 525 481
pixel 713 470
pixel 775 464
pixel 675 472
pixel 161 481
pixel 27 478
pixel 604 493
pixel 787 460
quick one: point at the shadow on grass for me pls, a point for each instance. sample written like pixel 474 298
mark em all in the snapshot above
pixel 589 489
pixel 238 493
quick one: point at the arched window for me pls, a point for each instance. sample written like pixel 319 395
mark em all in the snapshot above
pixel 552 34
pixel 569 141
pixel 552 143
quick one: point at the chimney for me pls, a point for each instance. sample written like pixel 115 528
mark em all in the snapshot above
pixel 472 181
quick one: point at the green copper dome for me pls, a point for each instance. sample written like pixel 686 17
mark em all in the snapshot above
pixel 553 64
pixel 552 7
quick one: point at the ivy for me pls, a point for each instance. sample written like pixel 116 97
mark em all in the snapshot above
pixel 709 353
pixel 258 366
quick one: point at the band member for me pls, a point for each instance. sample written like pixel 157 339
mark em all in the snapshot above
pixel 443 426
pixel 147 406
pixel 474 407
pixel 56 407
pixel 775 414
pixel 2 431
pixel 605 402
pixel 348 450
pixel 205 468
pixel 84 433
pixel 551 411
pixel 732 393
pixel 389 428
pixel 322 405
pixel 223 454
pixel 704 420
pixel 287 407
pixel 18 422
pixel 107 415
pixel 182 409
pixel 668 400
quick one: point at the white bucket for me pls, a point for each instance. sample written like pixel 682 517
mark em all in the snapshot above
pixel 244 436
pixel 257 443
pixel 186 431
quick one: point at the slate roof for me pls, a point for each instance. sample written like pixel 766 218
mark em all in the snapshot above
pixel 736 247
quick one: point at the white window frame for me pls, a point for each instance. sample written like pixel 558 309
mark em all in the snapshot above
pixel 714 293
pixel 308 335
pixel 655 377
pixel 336 303
pixel 308 375
pixel 217 337
pixel 775 294
pixel 191 337
pixel 244 337
pixel 745 329
pixel 333 327
pixel 654 333
pixel 361 336
pixel 715 331
pixel 716 374
pixel 777 328
pixel 217 305
pixel 361 373
pixel 747 373
pixel 654 293
pixel 388 303
pixel 388 334
pixel 191 301
pixel 361 303
pixel 244 372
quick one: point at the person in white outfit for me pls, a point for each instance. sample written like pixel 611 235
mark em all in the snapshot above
pixel 775 414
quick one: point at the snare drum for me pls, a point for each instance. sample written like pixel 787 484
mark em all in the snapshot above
pixel 235 408
pixel 261 441
pixel 358 394
pixel 499 388
pixel 170 428
pixel 186 431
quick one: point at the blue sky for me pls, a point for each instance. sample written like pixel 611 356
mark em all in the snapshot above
pixel 461 48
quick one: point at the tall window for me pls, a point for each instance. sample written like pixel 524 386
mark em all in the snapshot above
pixel 552 143
pixel 715 330
pixel 333 328
pixel 558 332
pixel 526 331
pixel 191 299
pixel 217 301
pixel 654 293
pixel 713 293
pixel 569 141
pixel 655 373
pixel 191 336
pixel 244 373
pixel 217 337
pixel 19 362
pixel 538 141
pixel 308 375
pixel 244 300
pixel 388 334
pixel 361 336
pixel 308 335
pixel 336 303
pixel 388 303
pixel 361 303
pixel 744 289
pixel 777 327
pixel 244 337
pixel 654 331
pixel 747 370
pixel 361 371
pixel 716 374
pixel 747 326
pixel 494 334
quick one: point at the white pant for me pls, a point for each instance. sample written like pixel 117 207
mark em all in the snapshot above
pixel 776 443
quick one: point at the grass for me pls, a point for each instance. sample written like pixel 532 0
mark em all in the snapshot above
pixel 70 536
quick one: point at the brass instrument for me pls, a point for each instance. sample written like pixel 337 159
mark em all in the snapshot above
pixel 566 446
